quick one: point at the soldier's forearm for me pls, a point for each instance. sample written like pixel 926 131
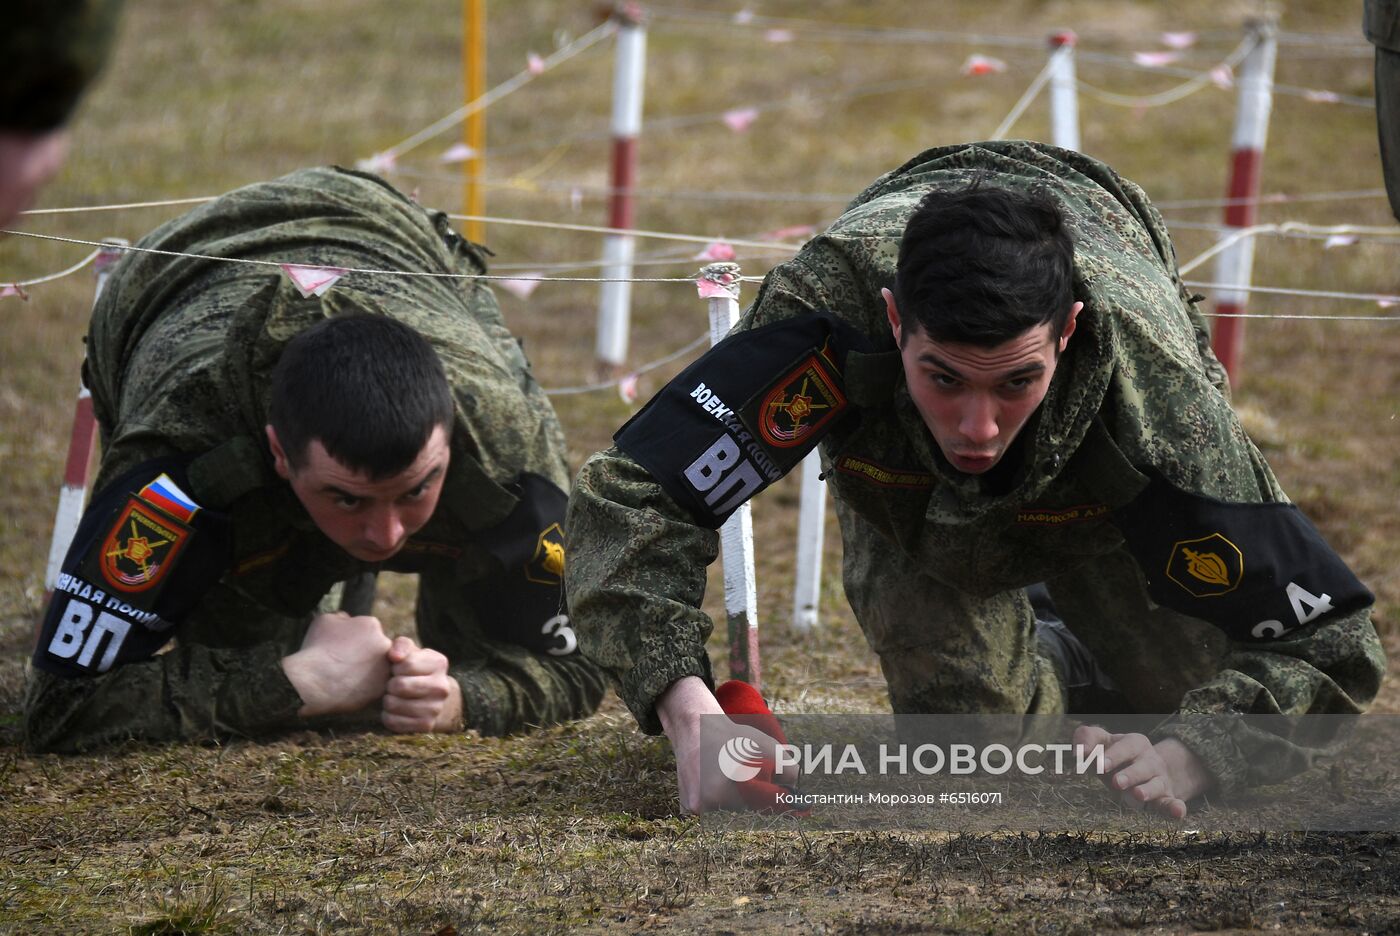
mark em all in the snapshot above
pixel 193 693
pixel 519 689
pixel 1334 669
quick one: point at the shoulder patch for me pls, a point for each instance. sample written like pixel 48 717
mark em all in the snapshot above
pixel 143 557
pixel 744 414
pixel 801 402
pixel 1256 571
pixel 525 604
pixel 141 548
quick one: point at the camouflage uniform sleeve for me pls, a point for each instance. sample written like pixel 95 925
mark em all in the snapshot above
pixel 513 689
pixel 636 578
pixel 1330 665
pixel 1333 667
pixel 192 693
pixel 52 49
pixel 637 563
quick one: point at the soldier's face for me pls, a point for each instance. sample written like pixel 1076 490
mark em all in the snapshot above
pixel 370 520
pixel 976 400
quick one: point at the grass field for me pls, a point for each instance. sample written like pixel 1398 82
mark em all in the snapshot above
pixel 577 827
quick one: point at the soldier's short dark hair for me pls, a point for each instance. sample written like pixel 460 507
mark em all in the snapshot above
pixel 980 265
pixel 370 388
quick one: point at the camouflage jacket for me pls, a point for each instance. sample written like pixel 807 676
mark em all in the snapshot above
pixel 180 352
pixel 1138 393
pixel 51 49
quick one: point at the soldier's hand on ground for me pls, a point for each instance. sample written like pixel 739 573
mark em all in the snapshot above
pixel 342 666
pixel 27 161
pixel 421 695
pixel 1162 777
pixel 703 786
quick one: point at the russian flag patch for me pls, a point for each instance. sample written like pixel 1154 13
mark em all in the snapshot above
pixel 166 495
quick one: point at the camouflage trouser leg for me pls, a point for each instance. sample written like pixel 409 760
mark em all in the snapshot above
pixel 1154 654
pixel 943 651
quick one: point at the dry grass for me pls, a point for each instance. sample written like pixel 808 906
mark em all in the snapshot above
pixel 575 827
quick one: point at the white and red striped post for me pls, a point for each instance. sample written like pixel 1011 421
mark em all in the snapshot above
pixel 1064 92
pixel 72 495
pixel 736 536
pixel 811 536
pixel 615 300
pixel 1235 263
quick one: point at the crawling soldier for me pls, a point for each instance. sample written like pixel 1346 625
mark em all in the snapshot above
pixel 1011 386
pixel 259 447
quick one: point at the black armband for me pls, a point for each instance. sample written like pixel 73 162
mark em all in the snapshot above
pixel 526 605
pixel 1256 571
pixel 744 414
pixel 143 556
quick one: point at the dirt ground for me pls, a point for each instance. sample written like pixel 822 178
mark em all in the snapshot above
pixel 576 828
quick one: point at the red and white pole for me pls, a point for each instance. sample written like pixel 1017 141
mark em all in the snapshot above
pixel 736 535
pixel 1235 264
pixel 629 78
pixel 72 495
pixel 1064 91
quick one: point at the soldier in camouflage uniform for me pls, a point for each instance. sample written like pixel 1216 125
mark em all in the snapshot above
pixel 51 50
pixel 1131 491
pixel 198 529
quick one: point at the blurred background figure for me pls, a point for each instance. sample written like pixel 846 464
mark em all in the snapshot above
pixel 51 50
pixel 1382 25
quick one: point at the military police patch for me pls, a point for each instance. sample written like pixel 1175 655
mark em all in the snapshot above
pixel 132 573
pixel 801 402
pixel 744 414
pixel 141 548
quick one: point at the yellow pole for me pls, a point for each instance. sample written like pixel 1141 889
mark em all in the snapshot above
pixel 474 128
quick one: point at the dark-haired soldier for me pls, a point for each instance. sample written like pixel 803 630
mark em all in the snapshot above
pixel 260 447
pixel 1011 386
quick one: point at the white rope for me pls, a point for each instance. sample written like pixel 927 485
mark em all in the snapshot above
pixel 709 118
pixel 1277 198
pixel 501 90
pixel 1369 235
pixel 545 186
pixel 1309 293
pixel 1171 95
pixel 843 32
pixel 634 232
pixel 150 204
pixel 645 368
pixel 1325 318
pixel 1287 227
pixel 1020 107
pixel 1284 89
pixel 366 271
pixel 61 273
